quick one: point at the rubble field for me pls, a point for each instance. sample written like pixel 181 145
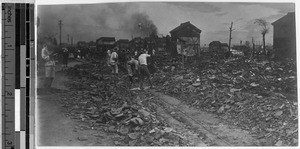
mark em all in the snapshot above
pixel 108 104
pixel 257 96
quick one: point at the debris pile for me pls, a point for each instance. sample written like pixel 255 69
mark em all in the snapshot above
pixel 96 99
pixel 259 96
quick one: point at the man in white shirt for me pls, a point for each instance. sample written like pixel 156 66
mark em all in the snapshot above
pixel 49 66
pixel 144 71
pixel 114 61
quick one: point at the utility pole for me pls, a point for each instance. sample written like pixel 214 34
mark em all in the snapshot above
pixel 60 24
pixel 68 39
pixel 253 44
pixel 253 47
pixel 230 30
pixel 71 40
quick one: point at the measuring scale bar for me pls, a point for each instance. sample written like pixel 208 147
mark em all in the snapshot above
pixel 8 76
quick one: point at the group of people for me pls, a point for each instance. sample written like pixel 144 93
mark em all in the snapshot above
pixel 48 55
pixel 136 66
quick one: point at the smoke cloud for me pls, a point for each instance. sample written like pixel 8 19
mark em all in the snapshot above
pixel 90 22
pixel 141 24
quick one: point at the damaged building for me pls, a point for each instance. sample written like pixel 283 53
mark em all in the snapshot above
pixel 187 39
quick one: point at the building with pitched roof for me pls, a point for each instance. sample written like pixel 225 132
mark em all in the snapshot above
pixel 187 39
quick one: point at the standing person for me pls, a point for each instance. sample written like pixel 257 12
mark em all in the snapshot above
pixel 114 61
pixel 153 51
pixel 144 71
pixel 151 65
pixel 49 66
pixel 78 53
pixel 65 57
pixel 136 56
pixel 108 57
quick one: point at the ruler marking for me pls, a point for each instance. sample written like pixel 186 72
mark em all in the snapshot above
pixel 8 12
pixel 18 29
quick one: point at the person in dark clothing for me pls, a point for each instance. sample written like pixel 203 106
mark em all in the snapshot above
pixel 132 68
pixel 65 57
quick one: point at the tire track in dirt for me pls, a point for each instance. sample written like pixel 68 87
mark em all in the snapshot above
pixel 215 132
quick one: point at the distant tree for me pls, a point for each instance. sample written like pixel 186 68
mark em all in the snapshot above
pixel 264 30
pixel 247 44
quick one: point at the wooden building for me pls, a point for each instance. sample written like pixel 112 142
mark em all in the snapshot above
pixel 284 38
pixel 187 39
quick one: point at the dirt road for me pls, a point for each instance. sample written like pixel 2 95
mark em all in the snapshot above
pixel 212 130
pixel 54 128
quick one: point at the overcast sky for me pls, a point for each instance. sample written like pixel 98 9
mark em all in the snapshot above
pixel 88 22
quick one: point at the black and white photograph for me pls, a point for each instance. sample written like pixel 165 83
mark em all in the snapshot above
pixel 188 74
